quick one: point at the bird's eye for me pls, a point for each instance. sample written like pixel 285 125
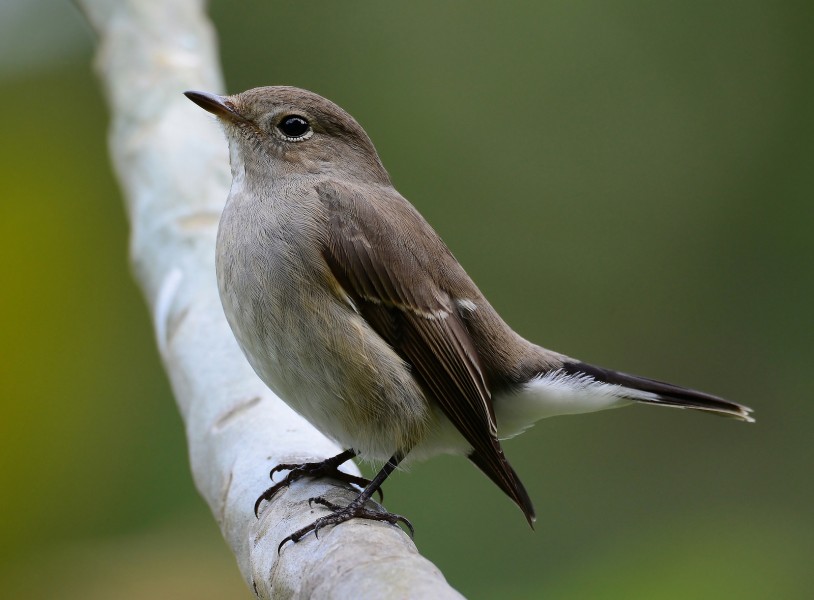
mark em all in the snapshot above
pixel 294 127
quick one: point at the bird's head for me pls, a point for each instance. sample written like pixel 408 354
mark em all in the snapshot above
pixel 280 130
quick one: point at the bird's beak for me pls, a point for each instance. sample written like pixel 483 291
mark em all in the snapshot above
pixel 220 106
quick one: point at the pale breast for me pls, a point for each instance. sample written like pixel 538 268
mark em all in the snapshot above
pixel 306 341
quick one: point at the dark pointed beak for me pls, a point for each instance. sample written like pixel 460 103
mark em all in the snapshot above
pixel 220 106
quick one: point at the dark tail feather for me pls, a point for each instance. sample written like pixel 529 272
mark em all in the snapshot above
pixel 661 393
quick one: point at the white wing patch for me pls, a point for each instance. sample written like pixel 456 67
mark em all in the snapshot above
pixel 467 305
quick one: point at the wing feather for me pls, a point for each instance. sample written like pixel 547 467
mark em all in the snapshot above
pixel 391 280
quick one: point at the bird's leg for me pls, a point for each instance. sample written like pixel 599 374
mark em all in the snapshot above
pixel 354 510
pixel 326 468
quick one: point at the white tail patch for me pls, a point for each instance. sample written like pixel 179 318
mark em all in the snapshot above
pixel 559 393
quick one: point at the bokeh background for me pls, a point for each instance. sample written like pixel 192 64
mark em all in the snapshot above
pixel 629 182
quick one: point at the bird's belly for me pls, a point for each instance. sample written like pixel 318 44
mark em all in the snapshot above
pixel 323 359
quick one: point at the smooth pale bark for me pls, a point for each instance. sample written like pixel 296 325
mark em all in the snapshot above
pixel 172 163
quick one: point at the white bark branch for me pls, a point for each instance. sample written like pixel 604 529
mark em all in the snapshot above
pixel 171 161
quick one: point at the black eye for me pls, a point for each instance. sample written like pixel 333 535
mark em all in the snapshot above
pixel 294 126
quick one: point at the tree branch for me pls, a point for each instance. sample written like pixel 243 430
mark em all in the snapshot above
pixel 173 167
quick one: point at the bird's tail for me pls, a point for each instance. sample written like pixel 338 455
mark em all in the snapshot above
pixel 650 391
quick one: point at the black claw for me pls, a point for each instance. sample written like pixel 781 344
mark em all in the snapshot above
pixel 409 525
pixel 269 494
pixel 284 467
pixel 290 538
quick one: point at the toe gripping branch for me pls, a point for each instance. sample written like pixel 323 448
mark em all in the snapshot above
pixel 339 514
pixel 326 468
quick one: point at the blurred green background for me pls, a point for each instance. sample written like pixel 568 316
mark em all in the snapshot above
pixel 629 182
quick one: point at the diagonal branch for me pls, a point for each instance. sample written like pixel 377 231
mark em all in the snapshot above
pixel 172 165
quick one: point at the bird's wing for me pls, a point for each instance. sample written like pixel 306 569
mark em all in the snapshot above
pixel 386 258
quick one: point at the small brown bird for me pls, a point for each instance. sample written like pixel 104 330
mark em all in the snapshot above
pixel 352 309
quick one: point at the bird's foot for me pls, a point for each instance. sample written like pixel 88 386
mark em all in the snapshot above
pixel 325 468
pixel 340 514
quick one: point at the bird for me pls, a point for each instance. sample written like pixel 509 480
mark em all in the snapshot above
pixel 350 307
